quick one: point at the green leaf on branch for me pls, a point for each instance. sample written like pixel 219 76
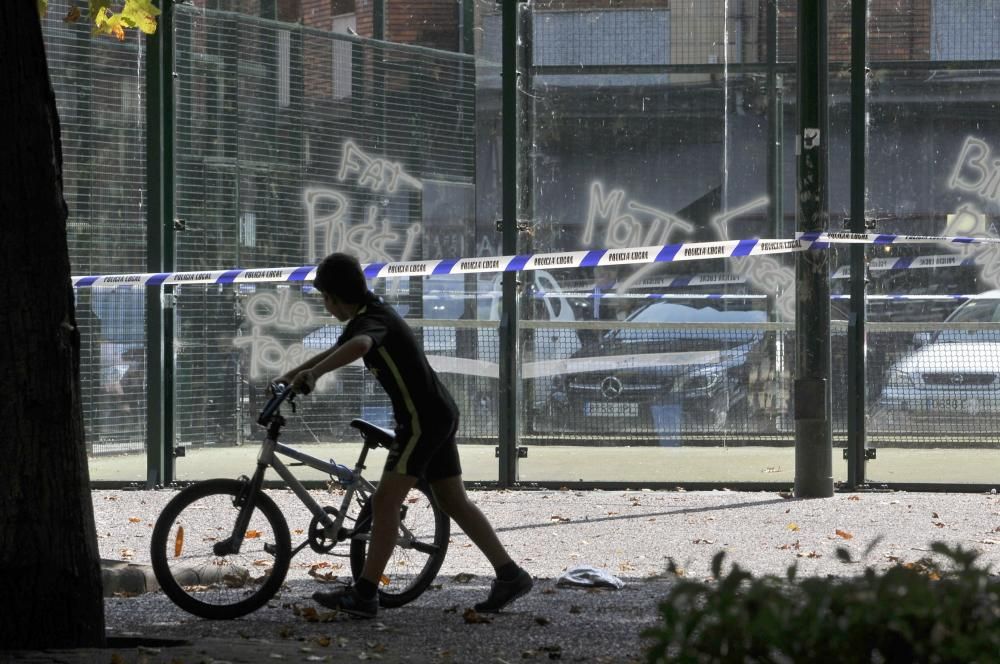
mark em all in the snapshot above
pixel 139 14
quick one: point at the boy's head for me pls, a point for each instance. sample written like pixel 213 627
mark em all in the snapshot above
pixel 339 278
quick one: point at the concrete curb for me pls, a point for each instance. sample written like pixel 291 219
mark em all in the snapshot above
pixel 124 578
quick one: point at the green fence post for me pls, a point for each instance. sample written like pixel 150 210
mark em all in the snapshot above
pixel 813 434
pixel 508 401
pixel 856 361
pixel 160 251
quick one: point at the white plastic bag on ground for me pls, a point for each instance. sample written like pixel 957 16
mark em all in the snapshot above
pixel 585 576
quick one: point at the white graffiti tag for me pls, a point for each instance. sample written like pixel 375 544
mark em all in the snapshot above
pixel 374 173
pixel 976 172
pixel 765 272
pixel 629 224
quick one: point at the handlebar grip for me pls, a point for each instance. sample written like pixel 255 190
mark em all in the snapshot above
pixel 280 391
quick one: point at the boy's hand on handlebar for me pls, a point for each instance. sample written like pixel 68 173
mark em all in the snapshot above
pixel 280 380
pixel 304 382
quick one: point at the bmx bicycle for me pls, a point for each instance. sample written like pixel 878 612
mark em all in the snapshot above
pixel 221 548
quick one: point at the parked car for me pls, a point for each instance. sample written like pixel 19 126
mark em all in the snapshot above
pixel 649 379
pixel 951 382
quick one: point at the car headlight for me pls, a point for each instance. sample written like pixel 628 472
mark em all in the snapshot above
pixel 899 378
pixel 703 379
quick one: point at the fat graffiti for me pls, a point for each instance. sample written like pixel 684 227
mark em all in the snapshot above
pixel 374 173
pixel 627 223
pixel 976 172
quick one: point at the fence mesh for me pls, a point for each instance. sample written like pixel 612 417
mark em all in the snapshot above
pixel 292 142
pixel 99 87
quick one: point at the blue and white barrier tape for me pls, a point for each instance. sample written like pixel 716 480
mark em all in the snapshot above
pixel 570 259
pixel 688 251
pixel 821 240
pixel 909 263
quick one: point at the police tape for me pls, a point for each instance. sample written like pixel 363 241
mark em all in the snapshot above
pixel 549 261
pixel 908 263
pixel 688 251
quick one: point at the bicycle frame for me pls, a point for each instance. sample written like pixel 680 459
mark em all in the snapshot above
pixel 350 479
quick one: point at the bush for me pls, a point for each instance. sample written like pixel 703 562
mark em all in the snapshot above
pixel 915 612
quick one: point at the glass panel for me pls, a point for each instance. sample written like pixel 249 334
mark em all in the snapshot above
pixel 104 165
pixel 656 372
pixel 934 404
pixel 295 141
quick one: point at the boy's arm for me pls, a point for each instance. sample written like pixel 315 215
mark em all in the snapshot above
pixel 308 364
pixel 354 349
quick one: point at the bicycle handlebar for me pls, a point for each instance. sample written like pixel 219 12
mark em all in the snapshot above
pixel 280 392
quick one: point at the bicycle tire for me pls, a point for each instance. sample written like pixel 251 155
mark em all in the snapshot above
pixel 203 583
pixel 398 585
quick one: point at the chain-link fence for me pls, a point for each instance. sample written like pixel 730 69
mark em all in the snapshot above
pixel 293 141
pixel 99 86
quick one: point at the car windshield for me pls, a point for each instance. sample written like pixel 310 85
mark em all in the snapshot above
pixel 973 311
pixel 694 338
pixel 977 311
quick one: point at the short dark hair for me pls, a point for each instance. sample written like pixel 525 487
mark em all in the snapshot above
pixel 340 275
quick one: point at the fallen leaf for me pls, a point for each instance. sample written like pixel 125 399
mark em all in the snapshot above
pixel 843 533
pixel 384 580
pixel 934 515
pixel 854 497
pixel 792 526
pixel 559 519
pixel 73 15
pixel 938 524
pixel 117 659
pixel 134 519
pixel 323 641
pixel 252 534
pixel 464 577
pixel 323 577
pixel 179 542
pixel 473 617
pixel 701 540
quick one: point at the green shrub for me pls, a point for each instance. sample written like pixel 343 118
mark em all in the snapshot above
pixel 916 612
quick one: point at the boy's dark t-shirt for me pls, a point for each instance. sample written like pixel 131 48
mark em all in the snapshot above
pixel 398 363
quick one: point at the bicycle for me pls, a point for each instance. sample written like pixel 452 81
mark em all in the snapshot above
pixel 223 572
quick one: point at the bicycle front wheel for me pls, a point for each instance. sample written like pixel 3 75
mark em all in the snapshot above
pixel 423 542
pixel 200 578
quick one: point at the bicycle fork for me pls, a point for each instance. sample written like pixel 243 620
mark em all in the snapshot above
pixel 246 500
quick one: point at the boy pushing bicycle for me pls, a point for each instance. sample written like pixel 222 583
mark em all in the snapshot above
pixel 426 421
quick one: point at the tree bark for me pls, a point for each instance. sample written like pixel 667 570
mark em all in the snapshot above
pixel 50 577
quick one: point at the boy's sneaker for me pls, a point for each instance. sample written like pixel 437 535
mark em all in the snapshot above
pixel 503 593
pixel 349 601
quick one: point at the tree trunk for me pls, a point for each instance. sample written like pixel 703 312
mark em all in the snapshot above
pixel 50 577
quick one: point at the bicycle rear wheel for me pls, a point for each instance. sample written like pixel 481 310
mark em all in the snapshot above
pixel 199 580
pixel 424 531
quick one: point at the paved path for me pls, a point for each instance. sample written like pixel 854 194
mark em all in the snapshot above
pixel 630 534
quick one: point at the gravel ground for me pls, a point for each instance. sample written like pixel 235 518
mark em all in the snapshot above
pixel 631 534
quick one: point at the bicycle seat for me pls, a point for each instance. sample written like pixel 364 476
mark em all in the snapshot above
pixel 374 435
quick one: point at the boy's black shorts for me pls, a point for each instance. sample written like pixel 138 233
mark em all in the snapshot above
pixel 433 455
